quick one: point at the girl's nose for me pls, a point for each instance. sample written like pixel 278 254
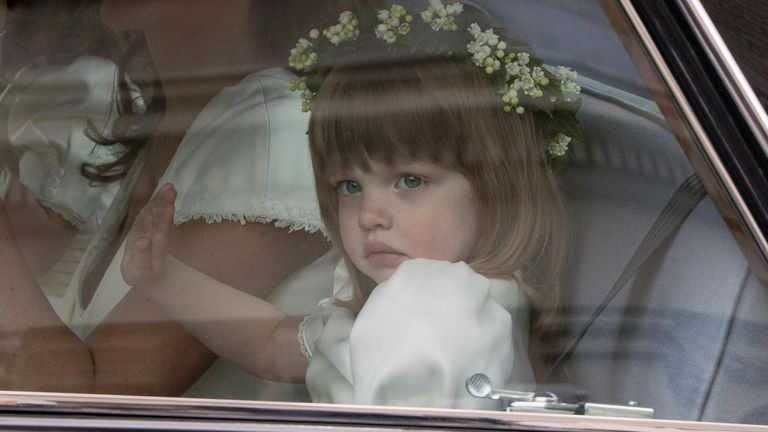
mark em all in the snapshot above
pixel 374 212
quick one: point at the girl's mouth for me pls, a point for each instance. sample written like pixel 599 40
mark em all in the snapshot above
pixel 382 255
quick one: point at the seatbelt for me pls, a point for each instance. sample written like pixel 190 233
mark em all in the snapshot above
pixel 677 210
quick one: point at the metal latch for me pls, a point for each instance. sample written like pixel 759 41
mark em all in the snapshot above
pixel 479 385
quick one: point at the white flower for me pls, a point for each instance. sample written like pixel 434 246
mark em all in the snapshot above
pixel 391 24
pixel 346 17
pixel 509 96
pixel 479 54
pixel 493 39
pixel 303 56
pixel 563 73
pixel 455 8
pixel 528 86
pixel 570 88
pixel 513 68
pixel 558 145
pixel 436 4
pixel 440 17
pixel 567 78
pixel 314 34
pixel 523 58
pixel 474 30
pixel 346 29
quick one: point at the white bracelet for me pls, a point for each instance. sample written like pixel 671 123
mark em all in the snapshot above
pixel 302 338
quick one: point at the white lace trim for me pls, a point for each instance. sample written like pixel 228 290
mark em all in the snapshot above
pixel 68 216
pixel 291 217
pixel 301 337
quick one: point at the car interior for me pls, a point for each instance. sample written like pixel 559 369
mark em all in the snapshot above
pixel 669 340
pixel 683 335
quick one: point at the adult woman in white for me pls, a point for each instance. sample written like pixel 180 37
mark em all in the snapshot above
pixel 59 85
pixel 236 149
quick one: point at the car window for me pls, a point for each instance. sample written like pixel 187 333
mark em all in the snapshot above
pixel 497 205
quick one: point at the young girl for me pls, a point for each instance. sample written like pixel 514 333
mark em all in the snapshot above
pixel 447 214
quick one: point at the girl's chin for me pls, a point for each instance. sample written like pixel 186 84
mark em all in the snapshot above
pixel 381 275
pixel 382 266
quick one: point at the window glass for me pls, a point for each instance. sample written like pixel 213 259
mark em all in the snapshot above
pixel 262 201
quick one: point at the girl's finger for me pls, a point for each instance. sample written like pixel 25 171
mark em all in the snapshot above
pixel 135 262
pixel 163 224
pixel 141 226
pixel 161 237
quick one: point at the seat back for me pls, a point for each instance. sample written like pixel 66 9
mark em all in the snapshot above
pixel 661 341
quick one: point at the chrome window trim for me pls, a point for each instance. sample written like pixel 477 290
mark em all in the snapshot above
pixel 65 412
pixel 728 69
pixel 722 175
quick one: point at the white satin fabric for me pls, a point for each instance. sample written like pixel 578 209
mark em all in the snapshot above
pixel 420 335
pixel 44 113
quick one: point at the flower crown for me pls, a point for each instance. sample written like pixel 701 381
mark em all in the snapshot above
pixel 522 80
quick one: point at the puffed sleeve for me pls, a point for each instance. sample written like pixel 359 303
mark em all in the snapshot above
pixel 246 158
pixel 49 108
pixel 420 335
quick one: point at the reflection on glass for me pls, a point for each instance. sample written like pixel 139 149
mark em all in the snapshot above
pixel 405 197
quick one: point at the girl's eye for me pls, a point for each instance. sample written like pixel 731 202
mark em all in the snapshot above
pixel 410 182
pixel 348 187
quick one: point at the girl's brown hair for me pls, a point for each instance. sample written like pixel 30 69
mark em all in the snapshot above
pixel 445 111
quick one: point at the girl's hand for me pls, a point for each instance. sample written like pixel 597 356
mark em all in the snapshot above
pixel 146 246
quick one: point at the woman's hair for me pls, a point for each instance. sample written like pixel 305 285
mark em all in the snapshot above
pixel 59 30
pixel 446 112
pixel 281 22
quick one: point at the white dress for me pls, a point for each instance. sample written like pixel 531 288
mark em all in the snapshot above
pixel 245 158
pixel 417 339
pixel 44 113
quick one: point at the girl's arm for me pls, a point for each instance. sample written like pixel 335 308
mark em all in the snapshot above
pixel 238 326
pixel 137 348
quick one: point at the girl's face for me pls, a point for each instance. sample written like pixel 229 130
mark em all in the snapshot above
pixel 402 211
